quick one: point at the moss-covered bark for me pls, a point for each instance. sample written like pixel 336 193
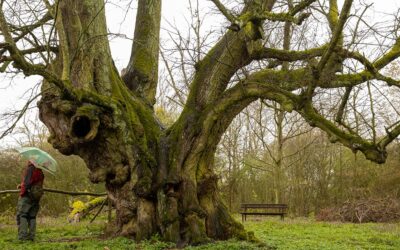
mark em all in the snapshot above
pixel 141 75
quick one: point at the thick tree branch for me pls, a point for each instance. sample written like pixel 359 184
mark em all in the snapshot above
pixel 65 86
pixel 337 35
pixel 218 117
pixel 371 70
pixel 301 6
pixel 290 55
pixel 287 35
pixel 231 18
pixel 33 50
pixel 63 40
pixel 371 151
pixel 233 51
pixel 299 78
pixel 286 16
pixel 281 17
pixel 390 136
pixel 390 56
pixel 141 74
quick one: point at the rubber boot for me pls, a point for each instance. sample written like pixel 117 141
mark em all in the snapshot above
pixel 23 228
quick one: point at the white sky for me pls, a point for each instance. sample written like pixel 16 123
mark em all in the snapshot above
pixel 13 96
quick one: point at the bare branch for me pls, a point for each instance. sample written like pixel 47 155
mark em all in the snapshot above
pixel 344 14
pixel 21 113
pixel 50 190
pixel 231 18
pixel 19 60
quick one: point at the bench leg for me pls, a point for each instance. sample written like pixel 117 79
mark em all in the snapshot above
pixel 282 216
pixel 242 218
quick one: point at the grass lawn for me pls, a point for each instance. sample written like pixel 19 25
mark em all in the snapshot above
pixel 309 234
pixel 290 234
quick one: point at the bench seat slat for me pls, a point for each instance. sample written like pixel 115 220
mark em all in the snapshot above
pixel 264 206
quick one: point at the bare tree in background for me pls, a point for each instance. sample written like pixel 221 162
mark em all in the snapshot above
pixel 162 180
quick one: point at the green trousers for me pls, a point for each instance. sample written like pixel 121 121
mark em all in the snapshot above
pixel 27 210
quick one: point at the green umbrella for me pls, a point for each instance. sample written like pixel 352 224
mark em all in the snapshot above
pixel 39 158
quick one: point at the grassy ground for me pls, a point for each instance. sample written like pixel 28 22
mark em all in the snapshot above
pixel 308 234
pixel 290 234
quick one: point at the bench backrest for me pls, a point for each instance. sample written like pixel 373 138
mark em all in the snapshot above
pixel 254 205
pixel 280 207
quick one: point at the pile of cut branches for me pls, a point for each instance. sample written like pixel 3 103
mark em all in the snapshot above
pixel 363 210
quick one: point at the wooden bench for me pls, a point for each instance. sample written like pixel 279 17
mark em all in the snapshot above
pixel 263 209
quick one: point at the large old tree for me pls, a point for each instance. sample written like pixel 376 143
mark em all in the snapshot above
pixel 161 179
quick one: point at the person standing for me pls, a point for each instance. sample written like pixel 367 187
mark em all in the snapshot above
pixel 28 203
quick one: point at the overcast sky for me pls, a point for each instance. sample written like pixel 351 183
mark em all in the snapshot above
pixel 13 96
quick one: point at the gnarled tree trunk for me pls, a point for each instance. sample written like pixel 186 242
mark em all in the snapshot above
pixel 161 181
